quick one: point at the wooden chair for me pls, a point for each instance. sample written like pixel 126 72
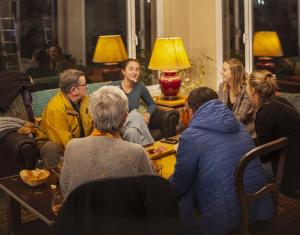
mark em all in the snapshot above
pixel 270 187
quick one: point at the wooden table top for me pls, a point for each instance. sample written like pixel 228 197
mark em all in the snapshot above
pixel 36 199
pixel 166 158
pixel 177 103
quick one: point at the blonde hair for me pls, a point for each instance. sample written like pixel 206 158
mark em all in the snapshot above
pixel 238 75
pixel 263 82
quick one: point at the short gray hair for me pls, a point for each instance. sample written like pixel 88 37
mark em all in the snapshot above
pixel 109 106
pixel 68 79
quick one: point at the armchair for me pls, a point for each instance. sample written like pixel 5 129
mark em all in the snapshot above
pixel 17 152
pixel 163 122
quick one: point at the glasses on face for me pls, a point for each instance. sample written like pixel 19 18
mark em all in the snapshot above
pixel 82 85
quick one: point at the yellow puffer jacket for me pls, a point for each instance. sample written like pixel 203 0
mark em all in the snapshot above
pixel 60 122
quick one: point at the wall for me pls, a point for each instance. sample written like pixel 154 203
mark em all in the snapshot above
pixel 195 22
pixel 70 28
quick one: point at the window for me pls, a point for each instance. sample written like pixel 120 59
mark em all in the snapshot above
pixel 132 19
pixel 242 19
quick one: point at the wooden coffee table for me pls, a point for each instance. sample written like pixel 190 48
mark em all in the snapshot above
pixel 37 200
pixel 167 160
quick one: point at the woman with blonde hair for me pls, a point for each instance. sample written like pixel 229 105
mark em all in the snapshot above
pixel 276 118
pixel 232 92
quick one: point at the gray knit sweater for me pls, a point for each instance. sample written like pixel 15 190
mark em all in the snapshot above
pixel 94 157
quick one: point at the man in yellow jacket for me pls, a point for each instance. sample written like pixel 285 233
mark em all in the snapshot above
pixel 66 116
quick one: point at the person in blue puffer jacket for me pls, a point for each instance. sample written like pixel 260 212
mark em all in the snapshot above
pixel 208 153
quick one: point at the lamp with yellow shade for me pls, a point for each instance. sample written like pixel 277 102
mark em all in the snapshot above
pixel 266 45
pixel 169 56
pixel 110 51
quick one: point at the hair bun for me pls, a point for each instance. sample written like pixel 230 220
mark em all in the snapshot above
pixel 271 76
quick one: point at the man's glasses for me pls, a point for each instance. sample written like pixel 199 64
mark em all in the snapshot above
pixel 83 85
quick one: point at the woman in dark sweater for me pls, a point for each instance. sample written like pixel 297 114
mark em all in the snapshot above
pixel 136 126
pixel 275 118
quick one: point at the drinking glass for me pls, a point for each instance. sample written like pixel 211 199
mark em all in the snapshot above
pixel 41 164
pixel 57 202
pixel 60 164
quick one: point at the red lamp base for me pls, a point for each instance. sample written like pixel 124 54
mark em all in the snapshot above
pixel 265 63
pixel 170 84
pixel 111 72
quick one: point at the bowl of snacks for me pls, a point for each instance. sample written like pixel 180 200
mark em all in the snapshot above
pixel 34 177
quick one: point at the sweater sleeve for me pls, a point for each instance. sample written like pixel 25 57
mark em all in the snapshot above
pixel 186 166
pixel 67 169
pixel 145 163
pixel 151 106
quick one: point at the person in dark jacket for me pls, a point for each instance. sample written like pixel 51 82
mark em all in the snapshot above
pixel 58 62
pixel 276 118
pixel 208 153
pixel 40 65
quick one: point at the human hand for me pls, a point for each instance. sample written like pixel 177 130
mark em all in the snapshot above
pixel 147 117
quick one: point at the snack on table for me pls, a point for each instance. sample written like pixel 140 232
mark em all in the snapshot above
pixel 34 177
pixel 158 150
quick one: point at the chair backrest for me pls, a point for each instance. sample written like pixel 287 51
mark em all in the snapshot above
pixel 270 187
pixel 144 204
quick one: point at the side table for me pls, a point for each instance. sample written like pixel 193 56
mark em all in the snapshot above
pixel 178 103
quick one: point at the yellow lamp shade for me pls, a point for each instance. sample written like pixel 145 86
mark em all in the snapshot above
pixel 266 43
pixel 110 49
pixel 169 54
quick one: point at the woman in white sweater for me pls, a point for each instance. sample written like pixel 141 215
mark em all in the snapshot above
pixel 103 153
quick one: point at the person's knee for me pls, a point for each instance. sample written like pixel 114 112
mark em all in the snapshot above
pixel 52 152
pixel 131 135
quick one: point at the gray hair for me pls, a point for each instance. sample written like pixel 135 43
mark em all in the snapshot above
pixel 68 79
pixel 109 106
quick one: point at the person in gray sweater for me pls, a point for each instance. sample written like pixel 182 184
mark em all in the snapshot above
pixel 104 153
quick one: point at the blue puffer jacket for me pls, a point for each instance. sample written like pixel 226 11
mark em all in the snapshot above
pixel 208 153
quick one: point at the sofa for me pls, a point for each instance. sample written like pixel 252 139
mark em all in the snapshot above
pixel 20 151
pixel 287 70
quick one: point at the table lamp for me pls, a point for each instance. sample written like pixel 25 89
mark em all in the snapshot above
pixel 266 45
pixel 110 50
pixel 169 56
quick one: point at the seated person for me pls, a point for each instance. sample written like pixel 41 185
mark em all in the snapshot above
pixel 136 126
pixel 40 65
pixel 232 92
pixel 276 118
pixel 58 62
pixel 104 153
pixel 208 153
pixel 66 116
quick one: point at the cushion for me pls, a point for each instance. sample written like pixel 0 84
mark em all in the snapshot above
pixel 41 98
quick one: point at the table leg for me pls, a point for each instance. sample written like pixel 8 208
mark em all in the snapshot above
pixel 13 215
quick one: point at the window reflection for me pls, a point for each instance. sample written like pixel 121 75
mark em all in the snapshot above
pixel 40 24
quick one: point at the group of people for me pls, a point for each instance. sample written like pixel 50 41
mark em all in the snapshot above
pixel 47 62
pixel 67 115
pixel 102 135
pixel 265 115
